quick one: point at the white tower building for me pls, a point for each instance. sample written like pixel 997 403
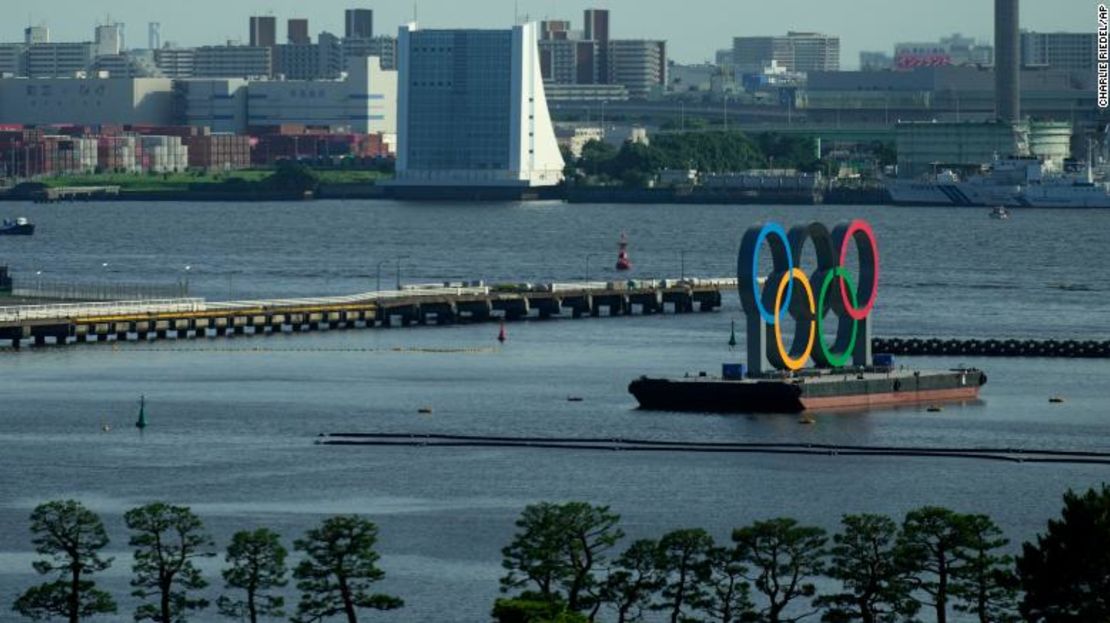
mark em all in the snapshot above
pixel 472 111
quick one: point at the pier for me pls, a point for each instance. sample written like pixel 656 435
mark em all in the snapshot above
pixel 430 304
pixel 439 304
pixel 75 193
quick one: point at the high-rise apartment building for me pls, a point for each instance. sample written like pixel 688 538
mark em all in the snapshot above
pixel 263 31
pixel 591 57
pixel 109 39
pixel 232 61
pixel 175 62
pixel 59 60
pixel 638 64
pixel 797 51
pixel 356 49
pixel 472 110
pixel 1074 52
pixel 596 24
pixel 555 29
pixel 297 32
pixel 569 61
pixel 12 58
pixel 597 29
pixel 358 24
pixel 313 61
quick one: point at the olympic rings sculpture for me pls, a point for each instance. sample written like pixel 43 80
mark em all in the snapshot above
pixel 788 289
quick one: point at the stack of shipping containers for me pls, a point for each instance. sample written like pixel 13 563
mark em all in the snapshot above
pixel 164 154
pixel 66 154
pixel 222 152
pixel 120 154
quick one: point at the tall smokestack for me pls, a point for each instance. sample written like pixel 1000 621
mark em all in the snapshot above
pixel 1007 61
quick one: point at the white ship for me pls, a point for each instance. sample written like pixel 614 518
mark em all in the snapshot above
pixel 1009 182
pixel 1063 192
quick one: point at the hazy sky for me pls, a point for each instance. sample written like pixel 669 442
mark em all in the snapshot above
pixel 694 28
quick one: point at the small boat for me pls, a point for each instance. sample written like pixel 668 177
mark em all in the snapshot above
pixel 1000 213
pixel 623 263
pixel 18 227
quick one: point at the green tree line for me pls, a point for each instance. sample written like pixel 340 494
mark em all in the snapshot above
pixel 334 576
pixel 565 565
pixel 720 151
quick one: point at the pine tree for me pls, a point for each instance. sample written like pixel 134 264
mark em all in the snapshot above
pixel 70 538
pixel 339 567
pixel 257 564
pixel 633 580
pixel 866 560
pixel 684 560
pixel 784 557
pixel 167 540
pixel 1066 573
pixel 933 540
pixel 985 585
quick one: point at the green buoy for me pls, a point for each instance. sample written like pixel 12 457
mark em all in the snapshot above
pixel 141 422
pixel 732 337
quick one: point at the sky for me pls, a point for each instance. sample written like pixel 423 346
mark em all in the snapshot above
pixel 694 29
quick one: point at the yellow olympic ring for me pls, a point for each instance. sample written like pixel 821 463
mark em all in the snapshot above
pixel 795 363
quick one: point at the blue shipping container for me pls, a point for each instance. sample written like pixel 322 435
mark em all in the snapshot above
pixel 883 360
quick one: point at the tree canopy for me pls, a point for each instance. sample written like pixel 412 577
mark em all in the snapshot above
pixel 557 551
pixel 784 557
pixel 866 560
pixel 1065 574
pixel 70 537
pixel 257 565
pixel 338 570
pixel 167 540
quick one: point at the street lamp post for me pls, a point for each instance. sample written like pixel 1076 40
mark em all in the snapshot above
pixel 399 258
pixel 682 264
pixel 379 271
pixel 185 288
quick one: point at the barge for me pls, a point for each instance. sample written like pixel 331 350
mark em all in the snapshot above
pixel 808 390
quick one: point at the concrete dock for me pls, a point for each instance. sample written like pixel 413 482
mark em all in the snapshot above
pixel 190 318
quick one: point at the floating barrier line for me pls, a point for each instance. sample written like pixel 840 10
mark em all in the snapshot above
pixel 711 444
pixel 933 346
pixel 1011 455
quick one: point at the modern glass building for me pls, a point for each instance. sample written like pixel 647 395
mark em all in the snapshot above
pixel 472 110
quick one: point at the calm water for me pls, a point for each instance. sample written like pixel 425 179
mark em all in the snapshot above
pixel 233 420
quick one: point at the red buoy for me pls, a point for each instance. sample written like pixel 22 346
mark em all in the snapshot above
pixel 501 335
pixel 623 263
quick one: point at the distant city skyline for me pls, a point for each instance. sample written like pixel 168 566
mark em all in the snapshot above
pixel 694 30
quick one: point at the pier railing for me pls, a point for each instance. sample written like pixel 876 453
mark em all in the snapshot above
pixel 364 297
pixel 82 310
pixel 49 289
